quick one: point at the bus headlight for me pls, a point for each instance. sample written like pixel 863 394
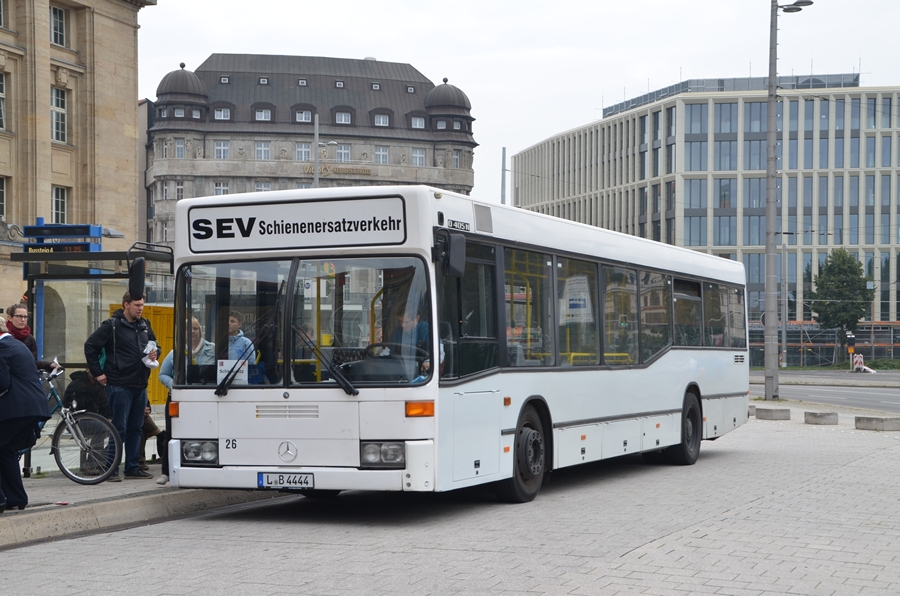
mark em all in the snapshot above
pixel 200 452
pixel 382 454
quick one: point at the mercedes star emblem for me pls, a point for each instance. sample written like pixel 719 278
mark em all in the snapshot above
pixel 287 451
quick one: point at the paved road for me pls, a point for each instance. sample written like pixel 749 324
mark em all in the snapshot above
pixel 775 507
pixel 875 398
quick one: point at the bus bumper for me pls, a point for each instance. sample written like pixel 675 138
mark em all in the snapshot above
pixel 418 475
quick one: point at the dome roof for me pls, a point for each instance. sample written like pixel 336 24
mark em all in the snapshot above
pixel 447 95
pixel 181 82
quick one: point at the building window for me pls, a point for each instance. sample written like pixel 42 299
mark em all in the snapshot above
pixel 164 231
pixel 695 118
pixel 339 84
pixel 342 118
pixel 725 155
pixel 410 89
pixel 725 117
pixel 442 124
pixel 694 231
pixel 263 80
pixel 224 80
pixel 179 112
pixel 59 207
pixel 58 114
pixel 343 153
pixel 165 191
pixel 301 82
pixel 262 150
pixel 376 86
pixel 304 116
pixel 381 155
pixel 223 150
pixel 695 156
pixel 195 114
pixel 304 185
pixel 456 159
pixel 179 190
pixel 382 120
pixel 303 152
pixel 263 114
pixel 418 122
pixel 222 114
pixel 457 125
pixel 164 112
pixel 179 148
pixel 2 101
pixel 165 149
pixel 263 186
pixel 220 188
pixel 58 26
pixel 3 199
pixel 418 157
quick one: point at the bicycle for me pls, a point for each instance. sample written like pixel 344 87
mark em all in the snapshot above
pixel 86 446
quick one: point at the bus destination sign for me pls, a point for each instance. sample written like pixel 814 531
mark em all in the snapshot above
pixel 306 224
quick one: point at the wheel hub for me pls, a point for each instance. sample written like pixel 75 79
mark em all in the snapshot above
pixel 531 453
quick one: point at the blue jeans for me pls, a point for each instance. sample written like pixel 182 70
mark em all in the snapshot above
pixel 127 405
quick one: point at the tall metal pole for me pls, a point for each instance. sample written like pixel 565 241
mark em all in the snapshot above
pixel 784 304
pixel 316 150
pixel 771 337
pixel 503 179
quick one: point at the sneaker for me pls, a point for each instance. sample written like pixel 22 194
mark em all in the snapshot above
pixel 114 478
pixel 162 479
pixel 139 474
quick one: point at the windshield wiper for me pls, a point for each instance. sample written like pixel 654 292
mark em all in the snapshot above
pixel 338 376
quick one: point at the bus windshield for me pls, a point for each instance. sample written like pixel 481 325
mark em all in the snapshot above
pixel 291 322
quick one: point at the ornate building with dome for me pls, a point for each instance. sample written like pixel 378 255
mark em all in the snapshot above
pixel 245 123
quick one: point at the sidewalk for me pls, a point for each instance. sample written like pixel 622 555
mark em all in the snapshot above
pixel 888 378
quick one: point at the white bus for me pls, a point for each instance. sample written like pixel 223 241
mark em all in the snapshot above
pixel 404 338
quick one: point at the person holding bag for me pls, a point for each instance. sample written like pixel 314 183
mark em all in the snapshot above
pixel 22 405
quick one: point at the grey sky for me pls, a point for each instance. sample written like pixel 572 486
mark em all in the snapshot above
pixel 533 69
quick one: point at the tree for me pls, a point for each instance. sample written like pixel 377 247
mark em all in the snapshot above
pixel 841 298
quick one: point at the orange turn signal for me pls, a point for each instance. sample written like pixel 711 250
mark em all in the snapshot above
pixel 506 449
pixel 419 409
pixel 507 401
pixel 173 409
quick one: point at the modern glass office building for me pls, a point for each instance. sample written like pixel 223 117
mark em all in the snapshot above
pixel 686 165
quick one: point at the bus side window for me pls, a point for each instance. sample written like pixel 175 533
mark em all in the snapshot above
pixel 620 316
pixel 688 314
pixel 656 314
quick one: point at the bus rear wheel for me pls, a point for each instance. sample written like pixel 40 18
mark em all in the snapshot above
pixel 686 452
pixel 529 461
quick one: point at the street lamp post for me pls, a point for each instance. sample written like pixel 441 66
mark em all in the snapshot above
pixel 316 145
pixel 771 305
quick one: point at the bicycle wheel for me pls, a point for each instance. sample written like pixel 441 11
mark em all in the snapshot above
pixel 90 451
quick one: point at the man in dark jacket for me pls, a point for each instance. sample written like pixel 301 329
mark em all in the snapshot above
pixel 124 337
pixel 22 404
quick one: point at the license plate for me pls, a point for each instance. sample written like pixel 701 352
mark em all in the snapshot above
pixel 265 480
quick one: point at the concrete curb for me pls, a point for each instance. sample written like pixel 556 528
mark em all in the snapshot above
pixel 875 423
pixel 21 528
pixel 773 413
pixel 820 417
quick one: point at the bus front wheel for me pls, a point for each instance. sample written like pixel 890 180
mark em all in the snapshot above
pixel 529 461
pixel 686 452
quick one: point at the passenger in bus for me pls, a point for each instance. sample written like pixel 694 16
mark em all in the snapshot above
pixel 239 346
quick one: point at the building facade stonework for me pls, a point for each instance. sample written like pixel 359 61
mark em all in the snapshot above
pixel 68 120
pixel 246 123
pixel 686 165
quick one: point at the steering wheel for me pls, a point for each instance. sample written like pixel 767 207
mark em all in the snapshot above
pixel 374 350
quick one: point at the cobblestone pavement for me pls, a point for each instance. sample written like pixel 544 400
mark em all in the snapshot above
pixel 775 507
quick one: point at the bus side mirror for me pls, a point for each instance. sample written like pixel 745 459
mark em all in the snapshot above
pixel 450 251
pixel 136 278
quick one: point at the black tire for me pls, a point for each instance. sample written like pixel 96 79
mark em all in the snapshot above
pixel 686 452
pixel 529 461
pixel 93 459
pixel 318 493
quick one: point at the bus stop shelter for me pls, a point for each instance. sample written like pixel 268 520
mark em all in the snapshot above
pixel 71 293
